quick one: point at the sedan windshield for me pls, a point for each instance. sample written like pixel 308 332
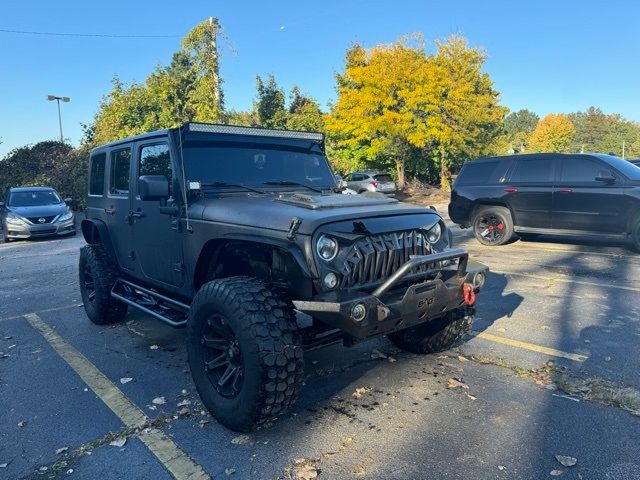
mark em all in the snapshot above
pixel 264 167
pixel 33 198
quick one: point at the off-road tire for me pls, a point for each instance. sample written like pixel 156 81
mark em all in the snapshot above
pixel 501 213
pixel 101 307
pixel 270 348
pixel 437 335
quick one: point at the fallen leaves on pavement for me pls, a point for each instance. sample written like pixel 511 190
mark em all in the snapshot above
pixel 566 461
pixel 456 383
pixel 118 442
pixel 360 392
pixel 159 401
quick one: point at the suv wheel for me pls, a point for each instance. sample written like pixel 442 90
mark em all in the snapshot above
pixel 97 276
pixel 437 335
pixel 492 225
pixel 245 352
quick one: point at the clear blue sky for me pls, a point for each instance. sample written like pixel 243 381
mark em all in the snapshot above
pixel 548 56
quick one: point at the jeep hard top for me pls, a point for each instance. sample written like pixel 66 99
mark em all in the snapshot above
pixel 242 236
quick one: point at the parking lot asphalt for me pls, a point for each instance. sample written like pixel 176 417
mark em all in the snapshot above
pixel 550 369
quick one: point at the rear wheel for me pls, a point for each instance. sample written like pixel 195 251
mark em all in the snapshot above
pixel 492 225
pixel 97 275
pixel 635 236
pixel 245 352
pixel 437 335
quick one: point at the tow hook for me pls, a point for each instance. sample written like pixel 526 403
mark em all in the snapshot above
pixel 469 294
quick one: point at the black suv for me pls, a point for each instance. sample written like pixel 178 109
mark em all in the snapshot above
pixel 561 194
pixel 242 236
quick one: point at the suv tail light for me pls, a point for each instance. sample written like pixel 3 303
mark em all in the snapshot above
pixel 375 184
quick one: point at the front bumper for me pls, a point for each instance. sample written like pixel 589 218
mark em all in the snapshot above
pixel 388 308
pixel 26 231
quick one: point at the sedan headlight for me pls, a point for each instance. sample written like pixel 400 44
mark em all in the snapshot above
pixel 434 233
pixel 13 219
pixel 327 248
pixel 65 216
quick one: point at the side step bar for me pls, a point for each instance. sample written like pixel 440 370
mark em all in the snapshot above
pixel 163 308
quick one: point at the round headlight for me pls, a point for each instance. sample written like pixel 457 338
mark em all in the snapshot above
pixel 327 248
pixel 330 280
pixel 434 233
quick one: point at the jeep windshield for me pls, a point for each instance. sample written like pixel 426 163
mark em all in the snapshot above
pixel 33 198
pixel 259 166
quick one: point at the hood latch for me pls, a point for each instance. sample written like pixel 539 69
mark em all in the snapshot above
pixel 293 228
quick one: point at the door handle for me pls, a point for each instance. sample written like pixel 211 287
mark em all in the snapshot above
pixel 134 214
pixel 110 211
pixel 564 190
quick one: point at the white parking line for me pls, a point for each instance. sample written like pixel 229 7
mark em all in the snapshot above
pixel 174 459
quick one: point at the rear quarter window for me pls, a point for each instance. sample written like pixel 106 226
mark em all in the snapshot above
pixel 383 177
pixel 96 174
pixel 477 173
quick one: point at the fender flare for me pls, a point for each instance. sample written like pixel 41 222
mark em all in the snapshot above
pixel 90 226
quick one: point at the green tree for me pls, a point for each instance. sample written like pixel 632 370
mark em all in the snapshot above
pixel 269 105
pixel 304 113
pixel 188 89
pixel 518 126
pixel 554 133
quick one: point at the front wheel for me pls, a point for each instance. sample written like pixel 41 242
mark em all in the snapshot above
pixel 437 335
pixel 97 275
pixel 245 352
pixel 492 225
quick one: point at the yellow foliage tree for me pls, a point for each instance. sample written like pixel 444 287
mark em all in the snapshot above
pixel 554 133
pixel 398 105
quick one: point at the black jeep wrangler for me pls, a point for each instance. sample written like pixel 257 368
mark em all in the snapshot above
pixel 242 236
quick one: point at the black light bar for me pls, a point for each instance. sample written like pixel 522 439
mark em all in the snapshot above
pixel 260 132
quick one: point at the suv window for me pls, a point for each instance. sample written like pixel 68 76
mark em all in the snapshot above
pixel 96 177
pixel 383 177
pixel 155 160
pixel 120 163
pixel 533 170
pixel 579 169
pixel 477 173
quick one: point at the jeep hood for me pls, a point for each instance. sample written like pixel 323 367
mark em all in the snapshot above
pixel 275 211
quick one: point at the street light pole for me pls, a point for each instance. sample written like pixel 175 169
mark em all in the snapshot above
pixel 57 99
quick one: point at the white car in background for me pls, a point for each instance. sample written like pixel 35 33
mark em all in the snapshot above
pixel 371 181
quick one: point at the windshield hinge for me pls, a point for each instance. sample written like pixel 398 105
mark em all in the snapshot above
pixel 293 228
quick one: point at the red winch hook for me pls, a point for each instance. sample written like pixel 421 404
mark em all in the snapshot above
pixel 469 294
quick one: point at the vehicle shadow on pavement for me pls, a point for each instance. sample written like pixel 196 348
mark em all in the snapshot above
pixel 495 301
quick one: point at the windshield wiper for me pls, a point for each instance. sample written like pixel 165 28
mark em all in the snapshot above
pixel 290 183
pixel 232 185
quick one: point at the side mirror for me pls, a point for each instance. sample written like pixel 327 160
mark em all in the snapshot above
pixel 153 187
pixel 68 200
pixel 605 177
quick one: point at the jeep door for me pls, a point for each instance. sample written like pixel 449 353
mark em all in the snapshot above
pixel 156 241
pixel 118 204
pixel 580 202
pixel 529 191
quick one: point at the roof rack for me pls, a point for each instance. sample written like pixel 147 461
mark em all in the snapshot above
pixel 255 131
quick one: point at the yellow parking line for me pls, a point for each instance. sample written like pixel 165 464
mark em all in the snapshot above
pixel 530 346
pixel 54 309
pixel 566 280
pixel 175 460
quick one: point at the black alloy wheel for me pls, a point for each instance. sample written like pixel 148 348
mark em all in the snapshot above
pixel 222 357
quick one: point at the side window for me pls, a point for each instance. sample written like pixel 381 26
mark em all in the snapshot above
pixel 96 175
pixel 577 169
pixel 533 170
pixel 120 163
pixel 477 173
pixel 155 160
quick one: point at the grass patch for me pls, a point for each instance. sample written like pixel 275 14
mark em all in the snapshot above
pixel 602 391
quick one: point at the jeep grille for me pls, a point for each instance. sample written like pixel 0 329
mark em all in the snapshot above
pixel 370 260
